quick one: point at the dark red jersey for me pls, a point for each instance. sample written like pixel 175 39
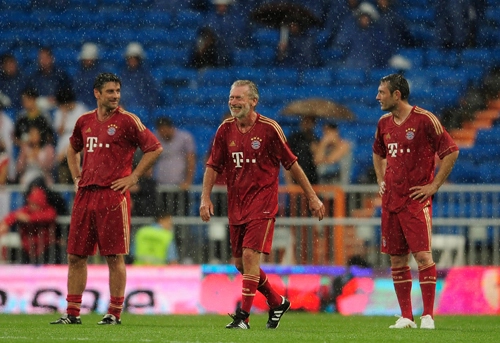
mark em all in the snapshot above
pixel 108 146
pixel 410 149
pixel 251 162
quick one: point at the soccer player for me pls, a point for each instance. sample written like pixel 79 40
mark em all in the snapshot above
pixel 249 149
pixel 108 137
pixel 406 142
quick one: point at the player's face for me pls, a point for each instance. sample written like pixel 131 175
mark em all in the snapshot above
pixel 240 104
pixel 385 98
pixel 109 96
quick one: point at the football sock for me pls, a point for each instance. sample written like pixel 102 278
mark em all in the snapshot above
pixel 401 277
pixel 427 275
pixel 116 306
pixel 273 298
pixel 74 304
pixel 249 288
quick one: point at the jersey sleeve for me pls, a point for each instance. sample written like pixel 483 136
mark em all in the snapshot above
pixel 76 139
pixel 440 138
pixel 216 157
pixel 378 144
pixel 141 135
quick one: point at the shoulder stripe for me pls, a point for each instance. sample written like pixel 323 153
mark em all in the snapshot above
pixel 435 121
pixel 275 125
pixel 136 119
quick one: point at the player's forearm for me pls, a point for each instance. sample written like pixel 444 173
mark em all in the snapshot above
pixel 300 177
pixel 73 157
pixel 208 182
pixel 147 161
pixel 445 169
pixel 379 167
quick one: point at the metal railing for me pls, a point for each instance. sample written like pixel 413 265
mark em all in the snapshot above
pixel 466 227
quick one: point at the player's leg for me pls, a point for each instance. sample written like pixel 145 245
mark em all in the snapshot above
pixel 113 227
pixel 427 273
pixel 394 244
pixel 82 242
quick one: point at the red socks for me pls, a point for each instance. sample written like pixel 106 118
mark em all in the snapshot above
pixel 273 298
pixel 401 278
pixel 427 275
pixel 116 306
pixel 74 303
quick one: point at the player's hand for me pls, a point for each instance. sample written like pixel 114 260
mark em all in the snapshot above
pixel 423 193
pixel 316 207
pixel 381 189
pixel 206 209
pixel 123 184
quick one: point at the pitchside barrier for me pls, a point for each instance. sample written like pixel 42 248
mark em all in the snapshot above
pixel 466 227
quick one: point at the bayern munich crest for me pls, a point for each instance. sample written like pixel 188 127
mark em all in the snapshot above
pixel 111 130
pixel 256 143
pixel 410 134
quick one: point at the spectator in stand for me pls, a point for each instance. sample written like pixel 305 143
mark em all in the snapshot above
pixel 204 54
pixel 12 81
pixel 302 143
pixel 48 77
pixel 31 115
pixel 7 137
pixel 361 40
pixel 393 27
pixel 457 22
pixel 297 48
pixel 155 244
pixel 139 89
pixel 338 13
pixel 333 156
pixel 36 222
pixel 89 67
pixel 176 166
pixel 36 158
pixel 67 113
pixel 229 27
pixel 5 161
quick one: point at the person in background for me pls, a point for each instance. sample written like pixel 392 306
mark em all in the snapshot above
pixel 204 53
pixel 4 172
pixel 67 113
pixel 144 194
pixel 250 148
pixel 407 140
pixel 108 138
pixel 175 167
pixel 31 115
pixel 12 81
pixel 155 244
pixel 36 158
pixel 302 143
pixel 333 156
pixel 298 50
pixel 7 137
pixel 89 66
pixel 36 222
pixel 48 77
pixel 140 90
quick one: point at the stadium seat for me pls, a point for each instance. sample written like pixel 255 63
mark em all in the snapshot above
pixel 316 77
pixel 283 76
pixel 215 77
pixel 476 57
pixel 266 37
pixel 248 57
pixel 348 76
pixel 489 137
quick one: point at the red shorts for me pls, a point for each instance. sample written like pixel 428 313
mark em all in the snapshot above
pixel 406 231
pixel 256 235
pixel 100 218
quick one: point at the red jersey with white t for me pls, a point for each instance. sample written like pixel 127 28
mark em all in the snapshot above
pixel 251 162
pixel 410 149
pixel 109 145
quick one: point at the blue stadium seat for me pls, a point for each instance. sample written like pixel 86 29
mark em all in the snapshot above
pixel 476 57
pixel 488 137
pixel 415 55
pixel 465 171
pixel 216 77
pixel 176 76
pixel 366 114
pixel 188 19
pixel 283 76
pixel 247 57
pixel 317 77
pixel 266 37
pixel 257 75
pixel 264 56
pixel 348 76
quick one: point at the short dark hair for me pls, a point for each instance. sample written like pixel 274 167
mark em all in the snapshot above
pixel 65 95
pixel 331 125
pixel 104 78
pixel 30 92
pixel 397 82
pixel 164 121
pixel 162 213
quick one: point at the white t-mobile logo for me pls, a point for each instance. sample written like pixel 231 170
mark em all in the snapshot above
pixel 92 144
pixel 239 160
pixel 393 149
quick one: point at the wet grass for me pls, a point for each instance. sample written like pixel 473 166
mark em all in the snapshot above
pixel 296 327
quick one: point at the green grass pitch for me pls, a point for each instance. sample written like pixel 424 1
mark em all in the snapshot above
pixel 295 327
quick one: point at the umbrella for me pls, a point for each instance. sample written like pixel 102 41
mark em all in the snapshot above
pixel 318 107
pixel 277 15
